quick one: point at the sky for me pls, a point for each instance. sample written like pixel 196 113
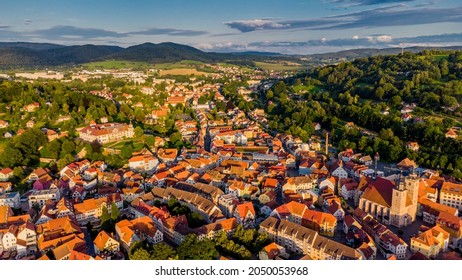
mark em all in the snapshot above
pixel 284 26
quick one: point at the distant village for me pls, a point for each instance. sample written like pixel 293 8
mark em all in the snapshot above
pixel 311 203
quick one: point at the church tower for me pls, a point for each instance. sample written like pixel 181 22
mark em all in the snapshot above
pixel 412 186
pixel 398 212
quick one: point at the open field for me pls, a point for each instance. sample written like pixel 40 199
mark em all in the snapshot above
pixel 278 66
pixel 190 64
pixel 182 71
pixel 116 64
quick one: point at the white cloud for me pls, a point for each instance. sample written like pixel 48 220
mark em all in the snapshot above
pixel 384 38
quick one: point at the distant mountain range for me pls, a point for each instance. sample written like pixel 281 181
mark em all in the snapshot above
pixel 15 55
pixel 360 53
pixel 36 55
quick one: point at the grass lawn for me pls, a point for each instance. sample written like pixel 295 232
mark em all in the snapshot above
pixel 440 57
pixel 137 144
pixel 44 153
pixel 116 64
pixel 277 66
pixel 303 88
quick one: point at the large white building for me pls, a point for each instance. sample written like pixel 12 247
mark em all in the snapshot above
pixel 40 197
pixel 11 199
pixel 105 133
pixel 451 195
pixel 143 163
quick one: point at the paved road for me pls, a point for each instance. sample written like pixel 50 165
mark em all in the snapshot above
pixel 89 241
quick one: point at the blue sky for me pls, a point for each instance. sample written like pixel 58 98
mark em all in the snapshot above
pixel 286 26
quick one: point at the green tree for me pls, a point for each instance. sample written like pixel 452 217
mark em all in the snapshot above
pixel 176 138
pixel 67 148
pixel 18 172
pixel 11 156
pixel 65 161
pixel 54 147
pixel 162 251
pixel 127 151
pixel 140 254
pixel 194 249
pixel 261 241
pixel 139 115
pixel 105 215
pixel 114 212
pixel 138 131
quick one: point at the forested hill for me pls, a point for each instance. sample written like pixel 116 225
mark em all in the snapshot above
pixel 17 55
pixel 371 92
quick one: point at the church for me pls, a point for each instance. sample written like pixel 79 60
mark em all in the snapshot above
pixel 391 202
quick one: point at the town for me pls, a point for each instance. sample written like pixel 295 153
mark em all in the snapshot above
pixel 124 164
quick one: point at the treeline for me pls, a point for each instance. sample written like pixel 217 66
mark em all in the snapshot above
pixel 242 244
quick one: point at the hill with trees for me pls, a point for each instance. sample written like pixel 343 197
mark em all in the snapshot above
pixel 371 92
pixel 27 55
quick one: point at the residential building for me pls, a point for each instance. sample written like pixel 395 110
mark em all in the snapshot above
pixel 431 242
pixel 299 184
pixel 336 210
pixel 167 155
pixel 198 204
pixel 105 242
pixel 245 214
pixel 141 228
pixel 6 174
pixel 451 134
pixel 143 163
pixel 324 223
pixel 11 199
pixel 40 197
pixel 453 225
pixel 301 240
pixel 431 210
pixel 211 230
pixel 273 251
pixel 227 203
pixel 388 243
pixel 90 210
pixel 337 170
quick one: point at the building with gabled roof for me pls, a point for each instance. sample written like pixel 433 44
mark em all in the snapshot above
pixel 453 225
pixel 245 214
pixel 197 203
pixel 211 230
pixel 107 132
pixel 6 174
pixel 141 228
pixel 64 251
pixel 393 203
pixel 431 242
pixel 273 251
pixel 301 240
pixel 143 163
pixel 90 210
pixel 105 242
pixel 299 213
pixel 451 195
